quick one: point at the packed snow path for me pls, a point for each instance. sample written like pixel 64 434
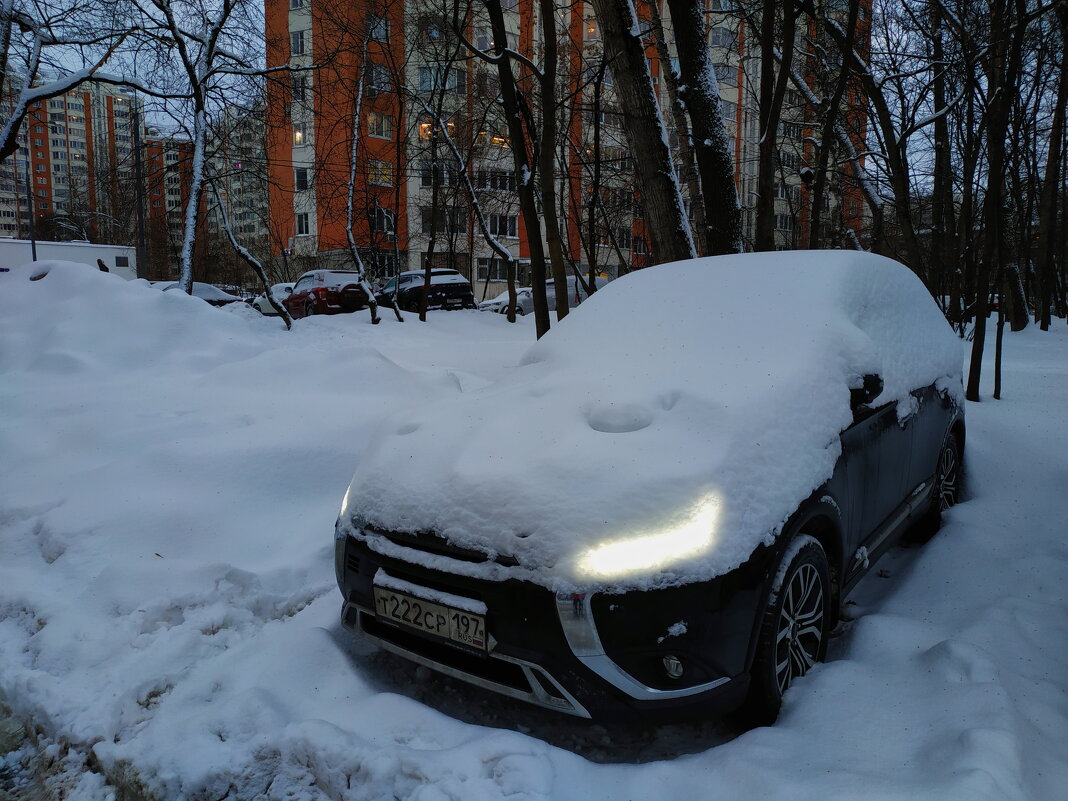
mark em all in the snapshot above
pixel 168 615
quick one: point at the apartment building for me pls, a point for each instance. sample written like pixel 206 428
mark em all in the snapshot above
pixel 76 151
pixel 376 73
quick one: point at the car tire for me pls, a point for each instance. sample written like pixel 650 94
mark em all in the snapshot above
pixel 949 474
pixel 794 627
pixel 309 310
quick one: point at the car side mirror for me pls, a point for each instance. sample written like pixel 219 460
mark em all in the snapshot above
pixel 870 389
pixel 287 290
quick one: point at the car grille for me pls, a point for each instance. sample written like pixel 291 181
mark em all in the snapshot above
pixel 436 544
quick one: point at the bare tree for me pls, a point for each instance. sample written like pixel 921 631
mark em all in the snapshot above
pixel 658 181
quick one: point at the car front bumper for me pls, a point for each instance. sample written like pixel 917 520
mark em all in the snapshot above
pixel 599 655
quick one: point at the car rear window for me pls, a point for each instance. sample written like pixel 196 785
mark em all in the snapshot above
pixel 339 279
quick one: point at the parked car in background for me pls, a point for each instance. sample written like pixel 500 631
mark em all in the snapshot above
pixel 206 292
pixel 263 306
pixel 754 455
pixel 524 302
pixel 326 292
pixel 448 290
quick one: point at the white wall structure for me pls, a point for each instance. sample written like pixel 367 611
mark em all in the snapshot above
pixel 119 259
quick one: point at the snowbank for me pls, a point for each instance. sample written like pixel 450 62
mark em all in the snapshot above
pixel 170 477
pixel 710 423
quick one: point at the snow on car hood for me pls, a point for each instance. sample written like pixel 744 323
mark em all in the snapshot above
pixel 666 427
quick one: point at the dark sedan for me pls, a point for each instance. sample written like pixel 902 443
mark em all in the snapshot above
pixel 678 518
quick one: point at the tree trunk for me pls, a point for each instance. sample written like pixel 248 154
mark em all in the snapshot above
pixel 772 93
pixel 830 111
pixel 688 168
pixel 528 203
pixel 1047 207
pixel 711 145
pixel 646 135
pixel 1002 71
pixel 547 157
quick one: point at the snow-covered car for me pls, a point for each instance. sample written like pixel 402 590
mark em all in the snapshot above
pixel 524 302
pixel 263 306
pixel 207 292
pixel 448 290
pixel 682 510
pixel 326 292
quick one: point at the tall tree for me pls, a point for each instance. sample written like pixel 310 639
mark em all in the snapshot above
pixel 699 94
pixel 643 123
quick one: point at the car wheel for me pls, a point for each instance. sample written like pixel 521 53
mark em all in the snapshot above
pixel 309 310
pixel 947 486
pixel 793 629
pixel 947 478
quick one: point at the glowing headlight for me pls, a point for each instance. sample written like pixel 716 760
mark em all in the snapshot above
pixel 689 537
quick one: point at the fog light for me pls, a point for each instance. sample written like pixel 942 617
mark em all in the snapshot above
pixel 673 666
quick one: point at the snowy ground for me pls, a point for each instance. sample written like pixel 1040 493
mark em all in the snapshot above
pixel 168 614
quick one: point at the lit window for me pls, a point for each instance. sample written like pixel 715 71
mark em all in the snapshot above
pixel 298 133
pixel 380 173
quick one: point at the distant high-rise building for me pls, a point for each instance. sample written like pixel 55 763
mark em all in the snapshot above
pixel 398 62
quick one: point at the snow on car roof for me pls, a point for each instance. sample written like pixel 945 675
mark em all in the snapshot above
pixel 203 291
pixel 713 412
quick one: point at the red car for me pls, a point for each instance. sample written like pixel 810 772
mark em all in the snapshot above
pixel 326 292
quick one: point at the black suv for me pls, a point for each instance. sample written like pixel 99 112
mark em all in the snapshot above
pixel 448 290
pixel 811 440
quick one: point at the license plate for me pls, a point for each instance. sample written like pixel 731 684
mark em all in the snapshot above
pixel 442 621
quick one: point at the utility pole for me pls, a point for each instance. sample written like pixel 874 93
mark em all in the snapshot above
pixel 142 265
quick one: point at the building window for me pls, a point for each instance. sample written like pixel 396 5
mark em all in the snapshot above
pixel 505 225
pixel 299 134
pixel 640 248
pixel 380 173
pixel 623 238
pixel 302 224
pixel 449 80
pixel 300 83
pixel 722 37
pixel 445 223
pixel 503 180
pixel 300 179
pixel 726 75
pixel 492 269
pixel 792 130
pixel 377 28
pixel 296 43
pixel 592 33
pixel 446 173
pixel 377 78
pixel 380 125
pixel 784 222
pixel 296 3
pixel 381 220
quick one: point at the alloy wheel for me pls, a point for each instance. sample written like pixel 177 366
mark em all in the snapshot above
pixel 948 477
pixel 800 631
